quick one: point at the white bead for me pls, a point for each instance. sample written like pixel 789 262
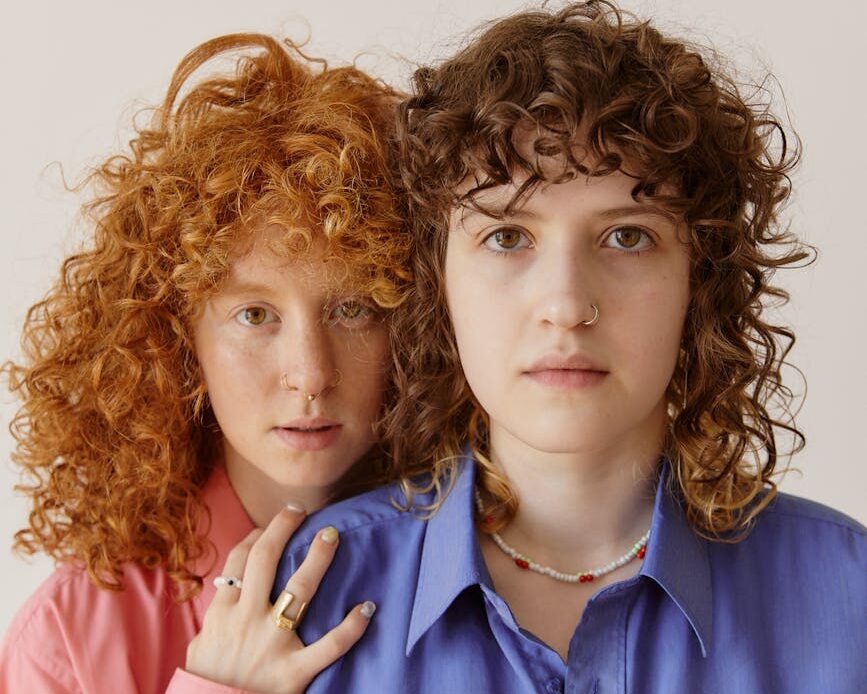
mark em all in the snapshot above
pixel 557 575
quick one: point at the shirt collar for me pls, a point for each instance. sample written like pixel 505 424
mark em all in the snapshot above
pixel 677 559
pixel 451 559
pixel 228 525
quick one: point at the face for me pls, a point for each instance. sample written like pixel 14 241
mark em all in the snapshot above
pixel 294 370
pixel 520 289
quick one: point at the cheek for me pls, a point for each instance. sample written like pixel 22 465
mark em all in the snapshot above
pixel 232 370
pixel 478 309
pixel 486 321
pixel 655 325
pixel 364 362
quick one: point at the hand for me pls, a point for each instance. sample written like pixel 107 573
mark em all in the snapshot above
pixel 240 645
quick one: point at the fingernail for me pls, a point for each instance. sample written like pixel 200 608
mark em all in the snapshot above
pixel 296 507
pixel 367 609
pixel 329 535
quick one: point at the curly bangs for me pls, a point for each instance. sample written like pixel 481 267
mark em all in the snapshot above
pixel 114 436
pixel 604 91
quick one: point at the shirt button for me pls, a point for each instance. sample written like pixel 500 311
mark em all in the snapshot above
pixel 554 686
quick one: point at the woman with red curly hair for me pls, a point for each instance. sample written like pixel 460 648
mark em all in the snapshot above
pixel 208 370
pixel 590 394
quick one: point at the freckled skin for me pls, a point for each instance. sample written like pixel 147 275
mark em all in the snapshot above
pixel 276 316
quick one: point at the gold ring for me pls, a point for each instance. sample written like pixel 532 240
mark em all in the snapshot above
pixel 278 612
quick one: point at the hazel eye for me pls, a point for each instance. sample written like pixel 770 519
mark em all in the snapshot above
pixel 352 312
pixel 629 239
pixel 507 239
pixel 350 309
pixel 254 316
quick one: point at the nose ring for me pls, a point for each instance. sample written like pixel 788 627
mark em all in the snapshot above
pixel 594 320
pixel 285 385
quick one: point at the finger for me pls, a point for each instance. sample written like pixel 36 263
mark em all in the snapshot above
pixel 335 644
pixel 235 565
pixel 304 583
pixel 264 555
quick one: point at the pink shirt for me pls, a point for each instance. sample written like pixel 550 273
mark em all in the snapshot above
pixel 71 636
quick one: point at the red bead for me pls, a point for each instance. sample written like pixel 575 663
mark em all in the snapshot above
pixel 589 578
pixel 523 564
pixel 489 520
pixel 642 552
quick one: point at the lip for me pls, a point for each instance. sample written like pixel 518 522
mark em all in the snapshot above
pixel 309 433
pixel 566 371
pixel 571 362
pixel 317 422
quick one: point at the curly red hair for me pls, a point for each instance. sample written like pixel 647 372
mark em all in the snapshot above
pixel 590 78
pixel 114 435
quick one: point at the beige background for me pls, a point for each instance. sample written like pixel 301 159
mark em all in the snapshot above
pixel 74 73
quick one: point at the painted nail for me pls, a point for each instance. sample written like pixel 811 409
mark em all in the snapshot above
pixel 296 507
pixel 367 609
pixel 329 535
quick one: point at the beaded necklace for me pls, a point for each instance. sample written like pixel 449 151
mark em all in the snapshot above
pixel 638 550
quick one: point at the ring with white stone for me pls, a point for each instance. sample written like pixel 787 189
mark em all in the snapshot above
pixel 231 581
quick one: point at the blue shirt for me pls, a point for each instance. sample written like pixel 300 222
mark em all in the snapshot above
pixel 784 610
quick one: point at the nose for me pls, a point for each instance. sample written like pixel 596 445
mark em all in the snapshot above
pixel 566 297
pixel 307 357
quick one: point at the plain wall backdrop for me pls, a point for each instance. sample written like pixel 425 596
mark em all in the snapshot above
pixel 75 73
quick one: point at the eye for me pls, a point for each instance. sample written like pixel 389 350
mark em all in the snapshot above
pixel 351 312
pixel 629 239
pixel 254 316
pixel 506 239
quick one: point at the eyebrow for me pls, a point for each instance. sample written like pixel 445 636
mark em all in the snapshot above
pixel 638 210
pixel 613 213
pixel 492 211
pixel 233 287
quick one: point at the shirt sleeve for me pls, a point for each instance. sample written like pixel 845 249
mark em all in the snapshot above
pixel 184 682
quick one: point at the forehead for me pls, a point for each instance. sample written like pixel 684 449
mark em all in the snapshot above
pixel 272 254
pixel 545 155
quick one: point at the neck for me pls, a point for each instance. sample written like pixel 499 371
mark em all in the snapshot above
pixel 577 509
pixel 262 498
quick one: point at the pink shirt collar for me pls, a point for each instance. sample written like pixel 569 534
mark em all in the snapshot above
pixel 229 525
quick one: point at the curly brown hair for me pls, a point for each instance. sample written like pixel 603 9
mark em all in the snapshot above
pixel 115 436
pixel 590 77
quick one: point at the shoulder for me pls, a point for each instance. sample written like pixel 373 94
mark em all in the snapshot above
pixel 40 643
pixel 378 559
pixel 375 514
pixel 795 519
pixel 795 538
pixel 69 593
pixel 381 542
pixel 793 590
pixel 72 630
pixel 57 600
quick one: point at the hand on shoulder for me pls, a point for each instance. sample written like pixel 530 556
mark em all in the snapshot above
pixel 244 642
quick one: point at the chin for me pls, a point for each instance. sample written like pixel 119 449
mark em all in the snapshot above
pixel 564 439
pixel 305 473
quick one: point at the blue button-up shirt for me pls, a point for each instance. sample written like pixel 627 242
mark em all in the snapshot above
pixel 784 610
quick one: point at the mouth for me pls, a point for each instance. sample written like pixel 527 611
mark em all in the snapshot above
pixel 307 430
pixel 566 362
pixel 567 379
pixel 309 433
pixel 566 371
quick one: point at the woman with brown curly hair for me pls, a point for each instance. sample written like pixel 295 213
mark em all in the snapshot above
pixel 590 390
pixel 205 372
